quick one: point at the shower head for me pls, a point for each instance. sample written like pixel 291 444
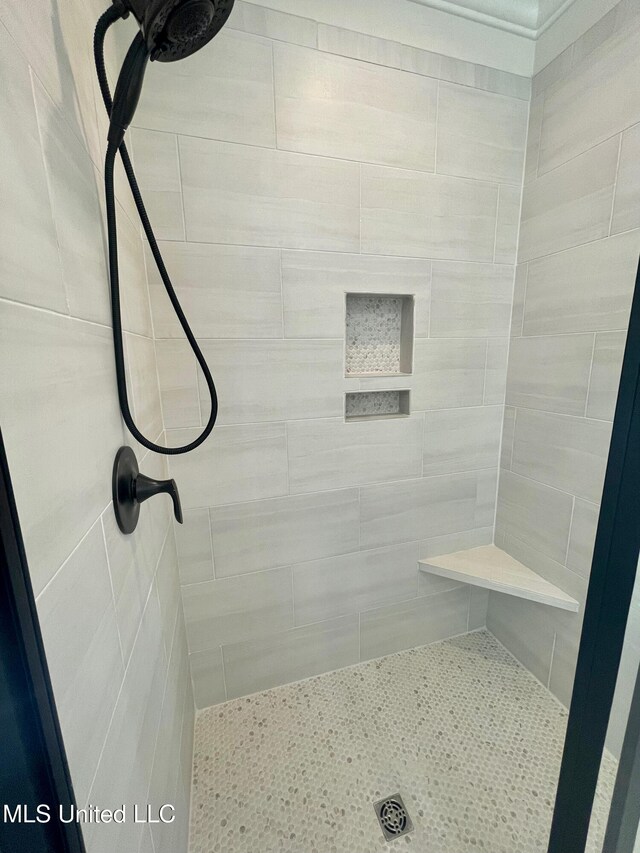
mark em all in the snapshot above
pixel 173 29
pixel 169 30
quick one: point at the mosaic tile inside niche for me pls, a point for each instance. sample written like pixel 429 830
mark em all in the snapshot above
pixel 369 403
pixel 374 330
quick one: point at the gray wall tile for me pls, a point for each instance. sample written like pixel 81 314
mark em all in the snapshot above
pixel 158 172
pixel 420 509
pixel 315 283
pixel 337 586
pixel 339 107
pixel 78 622
pixel 234 609
pixel 208 677
pixel 225 291
pixel 550 373
pixel 332 454
pixel 360 46
pixel 239 463
pixel 470 300
pixel 605 374
pixel 583 534
pixel 537 514
pixel 273 24
pixel 448 373
pixel 240 194
pixel 522 626
pixel 281 531
pixel 582 303
pixel 226 93
pixel 413 623
pixel 625 207
pixel 571 205
pixel 290 655
pixel 565 452
pixel 480 134
pixel 275 380
pixel 461 439
pixel 193 541
pixel 427 216
pixel 508 224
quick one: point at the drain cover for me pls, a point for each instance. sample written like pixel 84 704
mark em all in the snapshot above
pixel 393 817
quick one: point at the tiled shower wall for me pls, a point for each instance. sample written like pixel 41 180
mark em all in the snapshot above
pixel 285 165
pixel 579 246
pixel 109 605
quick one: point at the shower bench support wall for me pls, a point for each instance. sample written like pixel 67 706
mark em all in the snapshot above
pixel 492 568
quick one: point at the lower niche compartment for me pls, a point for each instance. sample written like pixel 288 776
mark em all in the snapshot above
pixel 375 405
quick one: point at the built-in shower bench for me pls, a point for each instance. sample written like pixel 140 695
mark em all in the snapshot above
pixel 492 568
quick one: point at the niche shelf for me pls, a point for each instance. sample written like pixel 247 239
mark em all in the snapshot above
pixel 492 568
pixel 379 334
pixel 376 405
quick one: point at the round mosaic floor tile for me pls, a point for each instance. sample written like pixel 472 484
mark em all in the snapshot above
pixel 467 737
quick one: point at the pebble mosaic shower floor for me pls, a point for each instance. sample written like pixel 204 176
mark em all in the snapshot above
pixel 467 736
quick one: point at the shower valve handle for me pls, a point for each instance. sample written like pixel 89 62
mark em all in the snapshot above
pixel 146 488
pixel 130 488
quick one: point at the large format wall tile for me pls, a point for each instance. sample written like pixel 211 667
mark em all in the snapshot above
pixel 508 224
pixel 158 172
pixel 237 463
pixel 64 368
pixel 523 627
pixel 421 509
pixel 583 534
pixel 562 451
pixel 550 373
pixel 266 534
pixel 221 93
pixel 193 543
pixel 79 628
pixel 458 440
pixel 470 300
pixel 413 623
pixel 272 24
pixel 275 380
pixel 571 205
pixel 337 586
pixel 314 286
pixel 341 107
pixel 234 609
pixel 427 216
pixel 596 288
pixel 290 656
pixel 75 201
pixel 626 207
pixel 597 98
pixel 537 514
pixel 331 454
pixel 605 374
pixel 448 373
pixel 225 291
pixel 240 194
pixel 480 135
pixel 360 46
pixel 27 275
pixel 207 674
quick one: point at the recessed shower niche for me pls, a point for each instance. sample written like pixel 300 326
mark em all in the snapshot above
pixel 378 334
pixel 375 405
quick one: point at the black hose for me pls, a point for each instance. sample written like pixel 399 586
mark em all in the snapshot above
pixel 106 20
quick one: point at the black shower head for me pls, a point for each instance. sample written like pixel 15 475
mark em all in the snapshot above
pixel 173 29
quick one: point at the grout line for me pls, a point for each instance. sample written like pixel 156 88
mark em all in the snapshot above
pixel 615 184
pixel 179 163
pixel 224 673
pixel 437 129
pixel 213 562
pixel 566 553
pixel 495 230
pixel 593 355
pixel 113 594
pixel 553 652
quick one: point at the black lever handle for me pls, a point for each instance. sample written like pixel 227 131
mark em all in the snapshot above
pixel 131 488
pixel 146 488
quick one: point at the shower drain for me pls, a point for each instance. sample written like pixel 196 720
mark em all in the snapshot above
pixel 393 817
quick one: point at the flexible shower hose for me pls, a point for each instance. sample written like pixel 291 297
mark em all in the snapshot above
pixel 109 17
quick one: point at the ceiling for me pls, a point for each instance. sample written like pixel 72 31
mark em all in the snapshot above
pixel 529 18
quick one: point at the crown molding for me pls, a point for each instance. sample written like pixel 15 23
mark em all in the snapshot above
pixel 509 19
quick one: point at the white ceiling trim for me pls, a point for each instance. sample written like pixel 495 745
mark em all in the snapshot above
pixel 473 10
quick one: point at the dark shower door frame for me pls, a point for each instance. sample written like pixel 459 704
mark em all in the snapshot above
pixel 613 572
